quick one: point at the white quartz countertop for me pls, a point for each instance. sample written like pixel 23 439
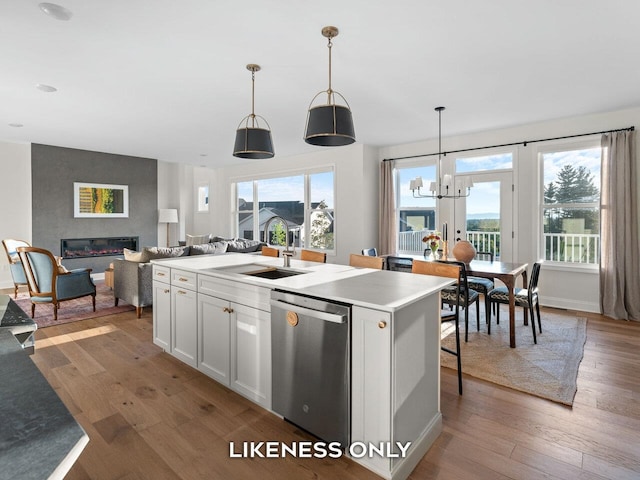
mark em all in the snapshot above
pixel 378 289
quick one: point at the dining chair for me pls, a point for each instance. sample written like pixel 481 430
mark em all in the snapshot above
pixel 454 271
pixel 524 297
pixel 270 251
pixel 15 265
pixel 46 283
pixel 483 286
pixel 370 252
pixel 399 264
pixel 312 256
pixel 365 261
pixel 464 297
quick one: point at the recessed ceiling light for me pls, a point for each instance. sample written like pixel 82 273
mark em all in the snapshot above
pixel 16 125
pixel 56 11
pixel 46 88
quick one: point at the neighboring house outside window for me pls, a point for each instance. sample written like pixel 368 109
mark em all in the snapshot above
pixel 304 201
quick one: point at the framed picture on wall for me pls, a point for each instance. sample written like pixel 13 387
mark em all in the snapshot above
pixel 97 200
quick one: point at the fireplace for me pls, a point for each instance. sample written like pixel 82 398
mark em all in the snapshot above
pixel 96 247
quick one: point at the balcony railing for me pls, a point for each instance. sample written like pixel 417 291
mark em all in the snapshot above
pixel 559 247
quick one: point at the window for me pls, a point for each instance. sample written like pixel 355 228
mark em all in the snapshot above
pixel 305 201
pixel 499 161
pixel 203 198
pixel 571 205
pixel 416 216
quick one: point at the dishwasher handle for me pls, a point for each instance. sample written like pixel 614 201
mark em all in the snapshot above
pixel 327 317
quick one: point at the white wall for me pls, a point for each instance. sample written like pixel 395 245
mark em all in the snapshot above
pixel 560 288
pixel 356 202
pixel 15 199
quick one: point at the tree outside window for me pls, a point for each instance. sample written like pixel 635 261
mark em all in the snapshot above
pixel 571 206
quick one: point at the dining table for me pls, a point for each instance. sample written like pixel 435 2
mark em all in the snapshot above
pixel 506 272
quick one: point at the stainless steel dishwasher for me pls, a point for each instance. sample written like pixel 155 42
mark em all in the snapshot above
pixel 311 364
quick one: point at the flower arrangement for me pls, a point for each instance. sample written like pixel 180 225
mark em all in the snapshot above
pixel 433 241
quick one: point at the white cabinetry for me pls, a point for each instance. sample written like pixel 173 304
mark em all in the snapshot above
pixel 184 317
pixel 234 336
pixel 214 338
pixel 395 382
pixel 251 353
pixel 162 307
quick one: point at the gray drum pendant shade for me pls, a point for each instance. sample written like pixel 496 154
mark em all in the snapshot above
pixel 253 140
pixel 329 124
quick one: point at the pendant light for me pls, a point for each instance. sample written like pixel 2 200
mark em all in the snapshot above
pixel 253 140
pixel 444 187
pixel 329 124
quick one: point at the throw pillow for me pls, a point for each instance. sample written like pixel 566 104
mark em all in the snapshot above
pixel 154 253
pixel 244 246
pixel 215 248
pixel 61 268
pixel 133 256
pixel 197 239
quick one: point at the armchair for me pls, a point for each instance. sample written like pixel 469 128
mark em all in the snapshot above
pixel 47 285
pixel 17 272
pixel 133 283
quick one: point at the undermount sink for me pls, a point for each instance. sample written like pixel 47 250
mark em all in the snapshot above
pixel 261 271
pixel 274 273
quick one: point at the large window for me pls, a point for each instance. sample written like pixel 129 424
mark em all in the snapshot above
pixel 416 216
pixel 304 201
pixel 571 205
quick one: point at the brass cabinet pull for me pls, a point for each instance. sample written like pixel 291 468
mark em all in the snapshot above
pixel 166 290
pixel 182 292
pixel 382 324
pixel 227 310
pixel 160 274
pixel 182 279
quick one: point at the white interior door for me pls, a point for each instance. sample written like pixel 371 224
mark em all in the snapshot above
pixel 485 217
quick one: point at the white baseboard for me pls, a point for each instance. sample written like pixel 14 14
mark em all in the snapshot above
pixel 593 307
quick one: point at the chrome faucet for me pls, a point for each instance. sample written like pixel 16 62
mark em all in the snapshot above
pixel 286 253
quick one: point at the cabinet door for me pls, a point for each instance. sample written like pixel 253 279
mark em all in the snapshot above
pixel 214 338
pixel 251 353
pixel 184 325
pixel 162 315
pixel 371 365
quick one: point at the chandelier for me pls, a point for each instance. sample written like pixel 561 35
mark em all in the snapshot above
pixel 444 187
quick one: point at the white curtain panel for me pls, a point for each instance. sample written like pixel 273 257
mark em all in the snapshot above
pixel 620 245
pixel 387 230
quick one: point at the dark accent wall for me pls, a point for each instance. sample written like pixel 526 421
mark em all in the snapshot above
pixel 53 172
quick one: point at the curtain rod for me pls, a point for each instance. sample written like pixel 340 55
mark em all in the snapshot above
pixel 523 143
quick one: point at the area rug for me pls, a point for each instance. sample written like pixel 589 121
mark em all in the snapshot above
pixel 548 369
pixel 76 309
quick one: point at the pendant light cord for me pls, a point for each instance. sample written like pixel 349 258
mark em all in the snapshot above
pixel 329 91
pixel 253 93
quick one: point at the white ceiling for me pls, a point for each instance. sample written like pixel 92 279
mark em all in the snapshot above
pixel 166 79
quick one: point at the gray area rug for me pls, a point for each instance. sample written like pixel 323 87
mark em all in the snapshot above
pixel 548 369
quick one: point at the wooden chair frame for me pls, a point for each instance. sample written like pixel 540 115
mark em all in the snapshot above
pixel 270 251
pixel 313 256
pixel 453 271
pixel 366 261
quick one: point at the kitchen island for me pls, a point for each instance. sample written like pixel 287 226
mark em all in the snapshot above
pixel 213 313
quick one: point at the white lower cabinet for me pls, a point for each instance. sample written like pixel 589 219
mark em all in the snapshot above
pixel 214 335
pixel 234 347
pixel 184 325
pixel 162 315
pixel 251 353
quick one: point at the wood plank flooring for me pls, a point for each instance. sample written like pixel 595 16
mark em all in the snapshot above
pixel 151 417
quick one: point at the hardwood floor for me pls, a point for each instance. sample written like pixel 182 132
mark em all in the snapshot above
pixel 151 417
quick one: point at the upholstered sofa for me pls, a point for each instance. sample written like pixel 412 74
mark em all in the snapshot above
pixel 132 275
